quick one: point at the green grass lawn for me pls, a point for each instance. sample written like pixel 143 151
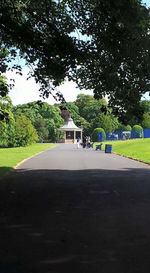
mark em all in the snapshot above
pixel 10 157
pixel 136 148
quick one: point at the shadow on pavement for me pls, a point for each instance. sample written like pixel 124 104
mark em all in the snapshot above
pixel 4 170
pixel 93 221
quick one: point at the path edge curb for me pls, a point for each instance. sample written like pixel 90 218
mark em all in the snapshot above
pixel 28 158
pixel 21 162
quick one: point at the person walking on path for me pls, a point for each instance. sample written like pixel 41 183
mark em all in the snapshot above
pixel 84 141
pixel 78 142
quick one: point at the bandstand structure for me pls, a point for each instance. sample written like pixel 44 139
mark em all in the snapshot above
pixel 71 131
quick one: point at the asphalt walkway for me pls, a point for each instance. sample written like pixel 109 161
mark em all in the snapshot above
pixel 75 211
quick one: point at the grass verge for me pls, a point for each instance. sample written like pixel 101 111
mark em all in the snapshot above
pixel 10 157
pixel 138 149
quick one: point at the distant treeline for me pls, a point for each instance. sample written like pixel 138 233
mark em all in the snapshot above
pixel 39 121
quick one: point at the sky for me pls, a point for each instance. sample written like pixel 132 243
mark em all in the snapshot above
pixel 27 90
pixel 147 2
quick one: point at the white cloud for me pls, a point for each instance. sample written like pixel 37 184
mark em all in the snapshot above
pixel 27 90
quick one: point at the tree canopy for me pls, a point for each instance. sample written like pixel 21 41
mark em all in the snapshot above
pixel 118 60
pixel 101 45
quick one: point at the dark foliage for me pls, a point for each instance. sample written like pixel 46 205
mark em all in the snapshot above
pixel 102 45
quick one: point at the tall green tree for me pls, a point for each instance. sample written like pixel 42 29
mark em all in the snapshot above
pixel 7 123
pixel 25 132
pixel 3 85
pixel 102 45
pixel 108 122
pixel 44 117
pixel 118 60
pixel 89 107
pixel 145 104
pixel 41 128
pixel 3 93
pixel 3 134
pixel 39 31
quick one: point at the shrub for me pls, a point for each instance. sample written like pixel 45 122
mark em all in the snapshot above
pixel 96 132
pixel 108 122
pixel 137 131
pixel 146 120
pixel 123 127
pixel 128 128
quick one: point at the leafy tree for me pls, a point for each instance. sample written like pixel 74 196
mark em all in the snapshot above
pixel 3 55
pixel 83 101
pixel 108 122
pixel 53 119
pixel 7 135
pixel 3 99
pixel 52 132
pixel 85 125
pixel 41 128
pixel 44 117
pixel 89 108
pixel 41 31
pixel 145 106
pixel 3 86
pixel 96 132
pixel 118 60
pixel 5 108
pixel 3 134
pixel 73 110
pixel 113 58
pixel 30 110
pixel 146 120
pixel 95 109
pixel 51 112
pixel 11 133
pixel 25 132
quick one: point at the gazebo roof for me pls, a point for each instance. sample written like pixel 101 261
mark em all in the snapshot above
pixel 70 126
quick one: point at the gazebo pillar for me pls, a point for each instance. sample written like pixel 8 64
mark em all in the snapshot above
pixel 65 136
pixel 74 135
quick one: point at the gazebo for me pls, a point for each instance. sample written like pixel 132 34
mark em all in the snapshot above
pixel 71 131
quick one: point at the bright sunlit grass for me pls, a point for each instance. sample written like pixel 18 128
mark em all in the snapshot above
pixel 10 157
pixel 136 148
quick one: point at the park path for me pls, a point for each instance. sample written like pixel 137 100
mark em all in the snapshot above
pixel 75 211
pixel 69 157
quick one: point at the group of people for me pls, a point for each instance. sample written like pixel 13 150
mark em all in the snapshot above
pixel 85 143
